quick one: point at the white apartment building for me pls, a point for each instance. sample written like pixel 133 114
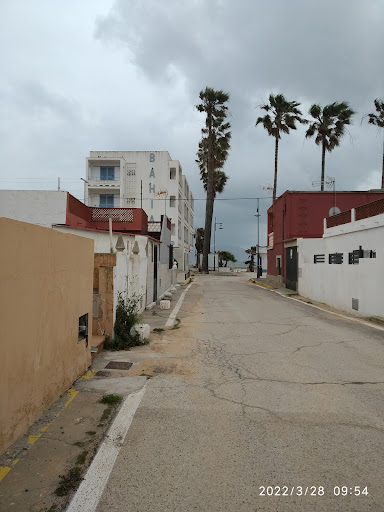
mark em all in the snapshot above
pixel 144 179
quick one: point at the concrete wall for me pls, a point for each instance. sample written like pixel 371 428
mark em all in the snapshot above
pixel 338 284
pixel 129 274
pixel 41 207
pixel 46 285
pixel 102 324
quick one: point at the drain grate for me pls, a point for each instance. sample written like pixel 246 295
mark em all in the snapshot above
pixel 119 365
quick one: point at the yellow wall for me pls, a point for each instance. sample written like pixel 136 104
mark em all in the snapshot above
pixel 45 285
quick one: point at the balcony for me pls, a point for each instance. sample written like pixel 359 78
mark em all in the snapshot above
pixel 133 220
pixel 103 183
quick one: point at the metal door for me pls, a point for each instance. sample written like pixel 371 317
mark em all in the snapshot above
pixel 291 268
pixel 154 272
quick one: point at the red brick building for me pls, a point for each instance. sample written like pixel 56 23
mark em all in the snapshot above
pixel 301 215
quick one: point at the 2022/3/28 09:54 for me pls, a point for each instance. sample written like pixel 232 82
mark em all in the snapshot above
pixel 312 490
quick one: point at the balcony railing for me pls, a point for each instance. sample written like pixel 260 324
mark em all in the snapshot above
pixel 123 219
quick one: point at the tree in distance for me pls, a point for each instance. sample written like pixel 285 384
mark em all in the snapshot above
pixel 212 153
pixel 378 120
pixel 225 256
pixel 199 243
pixel 281 117
pixel 252 251
pixel 328 127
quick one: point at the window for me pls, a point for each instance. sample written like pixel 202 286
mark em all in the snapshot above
pixel 336 258
pixel 278 265
pixel 83 329
pixel 172 173
pixel 319 258
pixel 107 173
pixel 106 200
pixel 172 201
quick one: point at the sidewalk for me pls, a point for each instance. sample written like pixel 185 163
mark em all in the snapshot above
pixel 63 442
pixel 377 323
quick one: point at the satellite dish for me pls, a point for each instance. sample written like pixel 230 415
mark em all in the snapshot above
pixel 334 211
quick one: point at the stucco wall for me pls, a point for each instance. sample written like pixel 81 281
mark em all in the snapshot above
pixel 337 284
pixel 130 272
pixel 46 285
pixel 41 207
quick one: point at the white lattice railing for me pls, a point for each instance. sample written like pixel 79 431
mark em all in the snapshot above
pixel 270 240
pixel 154 227
pixel 116 214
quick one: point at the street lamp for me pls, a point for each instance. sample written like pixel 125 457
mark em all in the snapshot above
pixel 257 214
pixel 86 182
pixel 220 224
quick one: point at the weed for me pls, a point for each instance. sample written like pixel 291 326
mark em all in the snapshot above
pixel 154 313
pixel 81 458
pixel 80 444
pixel 106 414
pixel 110 399
pixel 177 324
pixel 69 481
pixel 91 432
pixel 146 375
pixel 52 508
pixel 126 318
pixel 158 329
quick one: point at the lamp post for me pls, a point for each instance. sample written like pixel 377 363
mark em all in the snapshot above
pixel 86 182
pixel 257 214
pixel 214 242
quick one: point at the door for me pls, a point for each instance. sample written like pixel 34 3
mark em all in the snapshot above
pixel 291 268
pixel 154 272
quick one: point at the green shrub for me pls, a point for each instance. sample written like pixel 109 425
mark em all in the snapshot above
pixel 126 317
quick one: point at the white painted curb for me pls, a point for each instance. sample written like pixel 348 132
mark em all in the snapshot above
pixel 172 316
pixel 92 487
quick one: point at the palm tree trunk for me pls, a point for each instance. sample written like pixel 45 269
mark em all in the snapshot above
pixel 382 173
pixel 322 166
pixel 275 180
pixel 210 197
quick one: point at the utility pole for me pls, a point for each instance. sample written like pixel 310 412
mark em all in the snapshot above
pixel 257 214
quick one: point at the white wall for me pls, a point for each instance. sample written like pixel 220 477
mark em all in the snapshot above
pixel 41 207
pixel 130 272
pixel 336 285
pixel 154 204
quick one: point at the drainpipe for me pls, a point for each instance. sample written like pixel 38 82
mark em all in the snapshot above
pixel 110 234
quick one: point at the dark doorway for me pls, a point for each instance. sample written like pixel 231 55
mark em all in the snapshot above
pixel 154 272
pixel 291 268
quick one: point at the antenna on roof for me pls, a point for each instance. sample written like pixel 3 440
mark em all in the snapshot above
pixel 329 183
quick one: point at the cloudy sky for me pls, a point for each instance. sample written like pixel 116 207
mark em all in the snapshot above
pixel 126 74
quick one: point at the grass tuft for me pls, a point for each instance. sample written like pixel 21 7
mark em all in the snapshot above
pixel 81 458
pixel 111 399
pixel 69 482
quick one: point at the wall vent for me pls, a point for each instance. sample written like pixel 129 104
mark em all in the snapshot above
pixel 355 304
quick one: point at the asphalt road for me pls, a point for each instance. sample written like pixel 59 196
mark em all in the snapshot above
pixel 258 392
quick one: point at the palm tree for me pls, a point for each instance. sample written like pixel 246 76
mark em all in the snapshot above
pixel 213 151
pixel 328 127
pixel 281 117
pixel 378 120
pixel 219 183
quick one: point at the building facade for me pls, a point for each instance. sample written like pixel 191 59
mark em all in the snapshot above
pixel 344 267
pixel 150 180
pixel 301 215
